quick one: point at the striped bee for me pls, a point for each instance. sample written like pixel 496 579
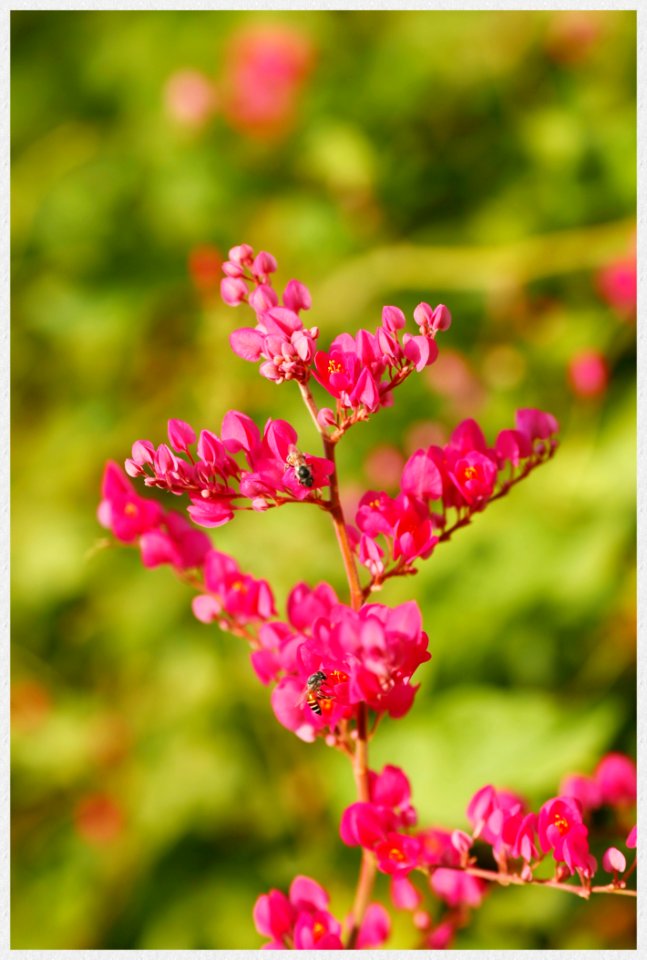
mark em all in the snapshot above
pixel 297 461
pixel 313 692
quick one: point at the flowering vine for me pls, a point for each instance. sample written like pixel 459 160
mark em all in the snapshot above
pixel 337 667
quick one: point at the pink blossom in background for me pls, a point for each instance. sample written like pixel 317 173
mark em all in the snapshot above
pixel 616 778
pixel 441 936
pixel 383 466
pixel 588 374
pixel 374 928
pixel 617 285
pixel 190 98
pixel 581 788
pixel 265 69
pixel 631 839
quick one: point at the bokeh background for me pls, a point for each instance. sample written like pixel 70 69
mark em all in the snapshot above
pixel 481 159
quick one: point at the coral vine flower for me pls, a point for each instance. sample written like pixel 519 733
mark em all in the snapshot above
pixel 615 776
pixel 230 592
pixel 300 920
pixel 279 339
pixel 122 511
pixel 457 888
pixel 561 830
pixel 210 475
pixel 464 475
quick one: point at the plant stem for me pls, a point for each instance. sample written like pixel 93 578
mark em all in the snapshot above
pixel 368 867
pixel 334 504
pixel 360 757
pixel 505 879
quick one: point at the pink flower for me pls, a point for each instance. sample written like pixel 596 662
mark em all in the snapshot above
pixel 588 374
pixel 175 541
pixel 403 893
pixel 581 788
pixel 230 592
pixel 519 833
pixel 376 648
pixel 374 928
pixel 489 809
pixel 300 920
pixel 366 824
pixel 512 446
pixel 391 788
pixel 614 861
pixel 474 475
pixel 615 776
pixel 121 510
pixel 343 375
pixel 536 424
pixel 438 849
pixel 209 475
pixel 616 285
pixel 457 888
pixel 306 604
pixel 561 830
pixel 397 853
pixel 190 98
pixel 265 69
pixel 430 319
pixel 631 839
pixel 373 826
pixel 421 477
pixel 441 936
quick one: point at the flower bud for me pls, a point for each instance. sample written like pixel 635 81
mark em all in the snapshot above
pixel 263 264
pixel 243 254
pixel 614 861
pixel 296 296
pixel 232 269
pixel 233 291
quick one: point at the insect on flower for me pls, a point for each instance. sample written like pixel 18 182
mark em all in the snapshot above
pixel 297 461
pixel 313 692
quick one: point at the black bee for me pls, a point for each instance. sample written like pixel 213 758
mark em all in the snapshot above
pixel 313 692
pixel 303 472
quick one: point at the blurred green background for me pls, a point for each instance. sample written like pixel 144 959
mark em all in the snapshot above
pixel 481 159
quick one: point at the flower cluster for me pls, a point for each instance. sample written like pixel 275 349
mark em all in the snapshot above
pixel 337 668
pixel 279 338
pixel 359 371
pixel 464 475
pixel 367 656
pixel 163 536
pixel 212 478
pixel 302 921
pixel 500 819
pixel 227 595
pixel 612 784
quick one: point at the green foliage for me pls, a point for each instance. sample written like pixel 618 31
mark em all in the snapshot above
pixel 445 156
